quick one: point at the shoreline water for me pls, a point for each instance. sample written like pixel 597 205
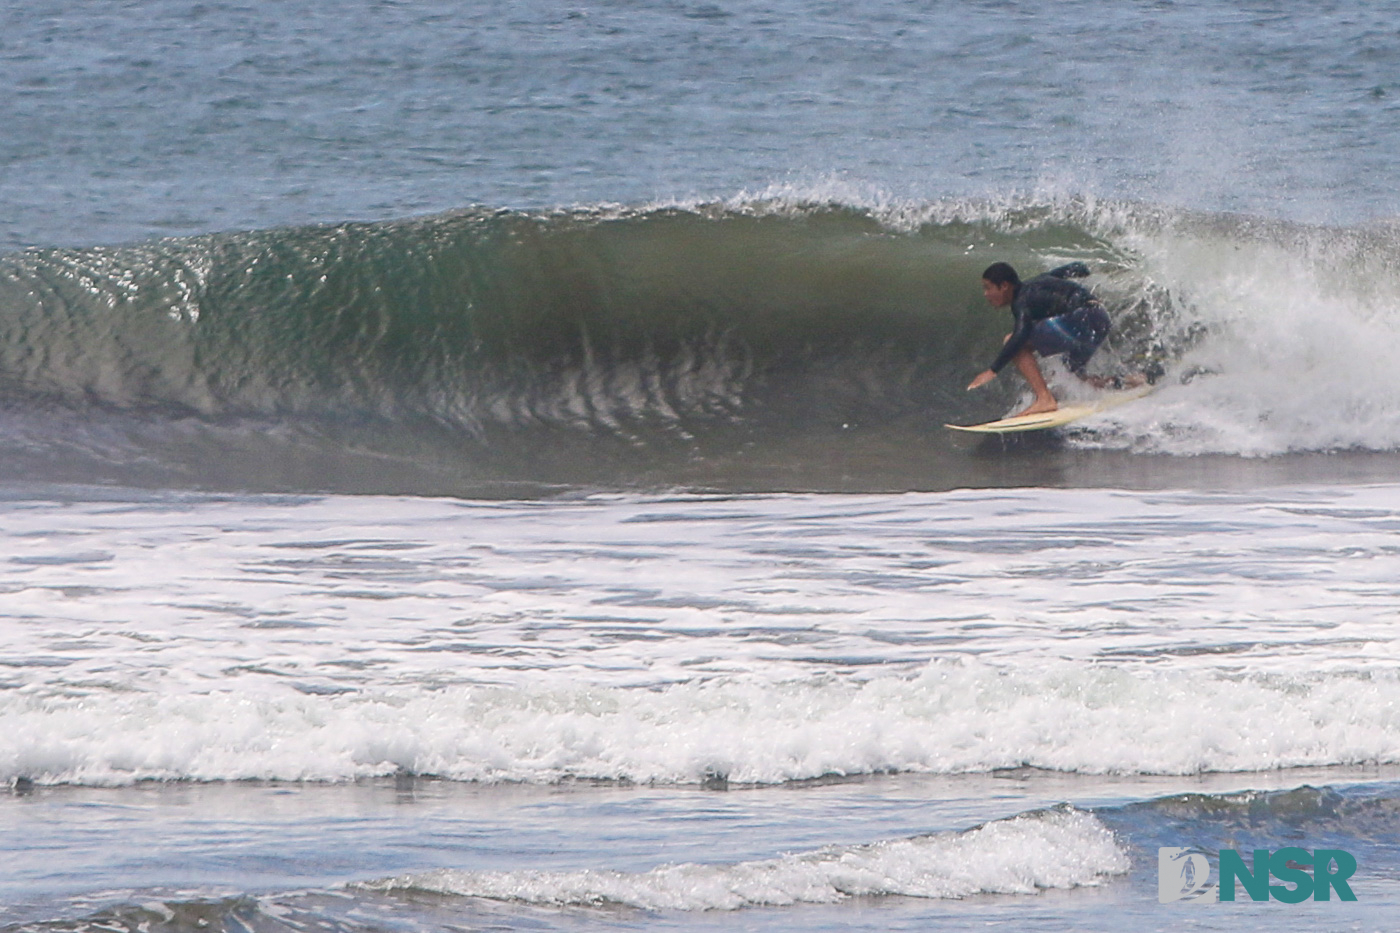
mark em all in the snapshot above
pixel 221 850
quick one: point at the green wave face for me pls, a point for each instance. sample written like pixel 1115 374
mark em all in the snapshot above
pixel 585 346
pixel 498 317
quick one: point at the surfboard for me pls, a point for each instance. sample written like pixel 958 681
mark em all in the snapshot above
pixel 1054 419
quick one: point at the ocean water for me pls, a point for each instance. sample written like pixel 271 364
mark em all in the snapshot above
pixel 482 467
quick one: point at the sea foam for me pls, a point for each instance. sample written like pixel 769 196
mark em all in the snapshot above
pixel 960 716
pixel 1022 855
pixel 1284 335
pixel 685 640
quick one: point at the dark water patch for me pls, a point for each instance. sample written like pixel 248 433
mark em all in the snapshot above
pixel 1347 817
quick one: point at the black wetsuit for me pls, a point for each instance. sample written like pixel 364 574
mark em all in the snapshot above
pixel 1080 323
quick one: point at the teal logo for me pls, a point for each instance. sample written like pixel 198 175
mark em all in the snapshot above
pixel 1183 875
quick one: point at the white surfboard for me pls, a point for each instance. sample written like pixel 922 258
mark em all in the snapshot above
pixel 1054 419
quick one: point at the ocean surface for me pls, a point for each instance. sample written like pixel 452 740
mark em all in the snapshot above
pixel 482 466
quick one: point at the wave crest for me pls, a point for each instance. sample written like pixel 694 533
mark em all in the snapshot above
pixel 1025 854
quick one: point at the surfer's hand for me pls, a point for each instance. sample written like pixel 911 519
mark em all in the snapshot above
pixel 984 377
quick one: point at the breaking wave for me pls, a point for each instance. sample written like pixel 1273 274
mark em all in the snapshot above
pixel 629 345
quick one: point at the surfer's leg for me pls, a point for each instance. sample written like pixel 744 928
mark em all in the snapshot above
pixel 1090 325
pixel 1078 336
pixel 1030 369
pixel 1081 332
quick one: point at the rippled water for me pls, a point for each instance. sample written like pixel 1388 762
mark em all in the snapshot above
pixel 191 117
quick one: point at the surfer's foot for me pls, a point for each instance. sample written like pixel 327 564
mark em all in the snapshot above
pixel 1039 407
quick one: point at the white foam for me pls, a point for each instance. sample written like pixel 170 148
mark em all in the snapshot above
pixel 952 717
pixel 1021 855
pixel 1299 335
pixel 765 639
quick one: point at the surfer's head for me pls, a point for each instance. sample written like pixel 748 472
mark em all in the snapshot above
pixel 999 284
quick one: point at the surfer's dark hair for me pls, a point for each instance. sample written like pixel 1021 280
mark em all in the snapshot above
pixel 999 273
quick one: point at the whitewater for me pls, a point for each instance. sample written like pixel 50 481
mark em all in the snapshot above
pixel 681 640
pixel 485 468
pixel 620 644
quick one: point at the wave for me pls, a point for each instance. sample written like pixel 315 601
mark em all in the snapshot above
pixel 950 718
pixel 1363 814
pixel 596 320
pixel 1018 856
pixel 1022 855
pixel 606 341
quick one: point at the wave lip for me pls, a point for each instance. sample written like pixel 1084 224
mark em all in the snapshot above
pixel 1025 854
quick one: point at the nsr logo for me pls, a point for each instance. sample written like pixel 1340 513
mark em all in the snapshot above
pixel 1184 875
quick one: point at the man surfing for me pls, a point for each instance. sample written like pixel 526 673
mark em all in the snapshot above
pixel 1052 316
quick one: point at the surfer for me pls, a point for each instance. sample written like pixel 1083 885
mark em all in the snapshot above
pixel 1052 316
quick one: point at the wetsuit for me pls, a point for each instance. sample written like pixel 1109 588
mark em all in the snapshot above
pixel 1054 316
